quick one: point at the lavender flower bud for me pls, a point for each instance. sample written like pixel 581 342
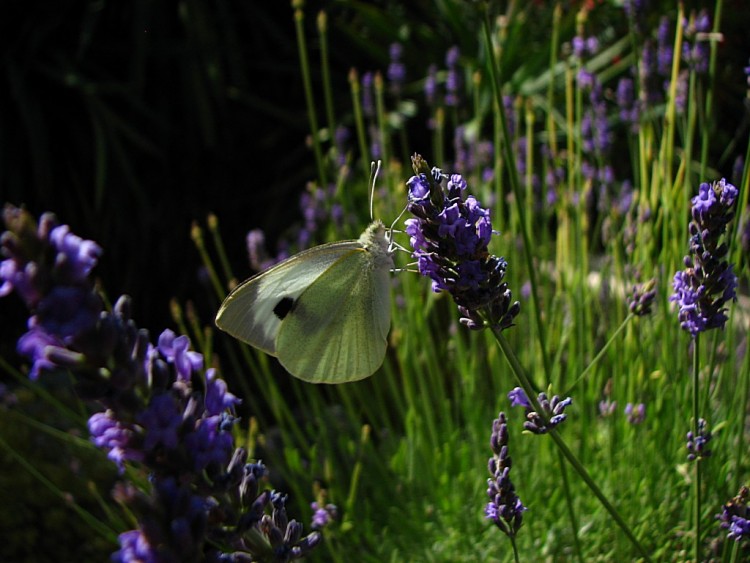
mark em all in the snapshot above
pixel 697 445
pixel 505 509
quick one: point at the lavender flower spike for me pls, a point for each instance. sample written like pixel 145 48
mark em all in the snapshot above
pixel 505 509
pixel 708 281
pixel 450 235
pixel 697 445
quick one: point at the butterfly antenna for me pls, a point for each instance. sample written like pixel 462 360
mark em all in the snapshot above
pixel 374 171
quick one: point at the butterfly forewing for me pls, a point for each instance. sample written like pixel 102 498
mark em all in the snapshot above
pixel 254 310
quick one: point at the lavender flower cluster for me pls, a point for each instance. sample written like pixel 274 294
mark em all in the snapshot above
pixel 162 409
pixel 708 281
pixel 697 443
pixel 450 234
pixel 735 516
pixel 505 509
pixel 552 410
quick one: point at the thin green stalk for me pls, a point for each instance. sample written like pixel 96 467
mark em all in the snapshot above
pixel 599 354
pixel 213 226
pixel 697 480
pixel 551 135
pixel 299 17
pixel 525 384
pixel 690 134
pixel 498 160
pixel 494 66
pixel 196 233
pixel 670 117
pixel 515 549
pixel 439 136
pixel 326 72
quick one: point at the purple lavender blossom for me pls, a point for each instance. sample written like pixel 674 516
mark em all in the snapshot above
pixel 664 48
pixel 735 516
pixel 625 97
pixel 453 78
pixel 505 509
pixel 256 250
pixel 162 410
pixel 430 85
pixel 340 140
pixel 708 281
pixel 695 49
pixel 552 410
pixel 607 407
pixel 642 298
pixel 449 235
pixel 518 398
pixel 396 69
pixel 368 101
pixel 55 288
pixel 697 444
pixel 323 515
pixel 635 414
pixel 117 438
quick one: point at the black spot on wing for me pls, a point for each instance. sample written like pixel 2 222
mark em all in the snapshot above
pixel 283 307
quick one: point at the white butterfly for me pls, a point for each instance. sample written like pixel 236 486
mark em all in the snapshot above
pixel 325 312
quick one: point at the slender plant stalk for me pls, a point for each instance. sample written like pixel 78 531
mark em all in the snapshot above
pixel 299 18
pixel 326 73
pixel 600 353
pixel 697 480
pixel 213 226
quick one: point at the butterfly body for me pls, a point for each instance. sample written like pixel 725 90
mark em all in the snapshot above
pixel 324 313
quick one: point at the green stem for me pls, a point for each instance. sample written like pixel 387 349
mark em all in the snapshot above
pixel 326 73
pixel 307 84
pixel 515 549
pixel 697 480
pixel 600 353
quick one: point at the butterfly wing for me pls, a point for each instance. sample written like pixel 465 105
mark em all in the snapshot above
pixel 254 310
pixel 336 330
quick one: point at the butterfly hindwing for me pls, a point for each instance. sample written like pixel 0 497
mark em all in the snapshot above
pixel 334 340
